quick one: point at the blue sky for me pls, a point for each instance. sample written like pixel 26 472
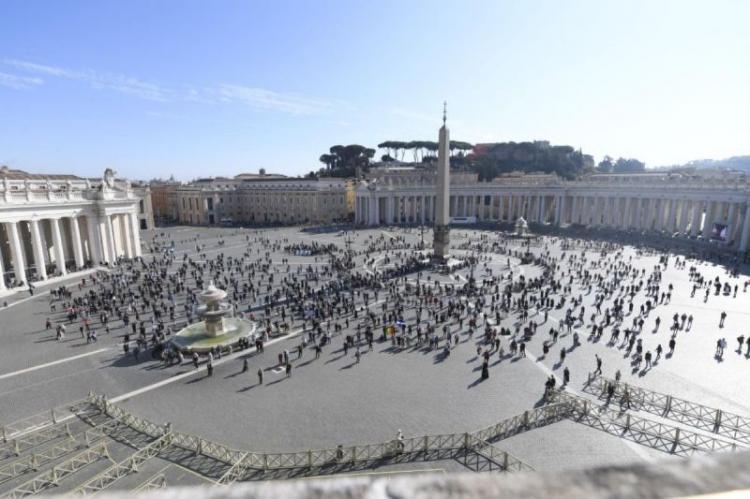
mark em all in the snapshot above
pixel 190 88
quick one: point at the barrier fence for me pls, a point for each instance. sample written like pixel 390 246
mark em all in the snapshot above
pixel 158 481
pixel 60 471
pixel 660 436
pixel 240 462
pixel 475 449
pixel 717 421
pixel 38 421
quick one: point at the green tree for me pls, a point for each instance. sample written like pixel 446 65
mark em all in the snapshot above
pixel 605 165
pixel 328 160
pixel 629 166
pixel 346 161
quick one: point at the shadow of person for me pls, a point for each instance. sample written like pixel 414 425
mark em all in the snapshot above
pixel 475 382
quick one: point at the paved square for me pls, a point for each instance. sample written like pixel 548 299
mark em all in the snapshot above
pixel 336 399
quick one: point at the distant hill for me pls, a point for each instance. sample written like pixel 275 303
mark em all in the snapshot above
pixel 741 163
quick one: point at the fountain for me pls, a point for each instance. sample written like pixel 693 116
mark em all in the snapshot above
pixel 522 228
pixel 218 327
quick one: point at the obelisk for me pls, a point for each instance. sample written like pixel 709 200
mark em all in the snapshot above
pixel 441 230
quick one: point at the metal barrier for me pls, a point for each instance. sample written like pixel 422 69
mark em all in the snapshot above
pixel 473 449
pixel 700 416
pixel 241 462
pixel 17 446
pixel 483 456
pixel 123 468
pixel 534 418
pixel 158 481
pixel 39 421
pixel 660 436
pixel 60 471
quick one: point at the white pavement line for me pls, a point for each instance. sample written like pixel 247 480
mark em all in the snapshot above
pixel 53 363
pixel 148 388
pixel 218 362
pixel 184 375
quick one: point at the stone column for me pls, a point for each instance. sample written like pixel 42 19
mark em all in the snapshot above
pixel 730 221
pixel 637 213
pixel 136 234
pixel 95 241
pixel 671 215
pixel 125 230
pixel 661 213
pixel 695 222
pixel 16 250
pixel 542 209
pixel 39 249
pixel 745 234
pixel 105 231
pixel 684 206
pixel 709 219
pixel 2 274
pixel 621 204
pixel 556 218
pixel 59 251
pixel 77 246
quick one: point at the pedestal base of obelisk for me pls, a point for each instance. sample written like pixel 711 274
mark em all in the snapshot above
pixel 441 258
pixel 440 243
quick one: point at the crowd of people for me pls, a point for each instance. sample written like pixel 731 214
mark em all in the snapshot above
pixel 374 287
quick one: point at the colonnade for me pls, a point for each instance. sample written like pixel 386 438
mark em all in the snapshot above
pixel 34 248
pixel 726 220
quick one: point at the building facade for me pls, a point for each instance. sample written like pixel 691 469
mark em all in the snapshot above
pixel 53 225
pixel 145 207
pixel 264 199
pixel 707 207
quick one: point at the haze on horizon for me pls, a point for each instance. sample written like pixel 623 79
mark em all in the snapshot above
pixel 193 88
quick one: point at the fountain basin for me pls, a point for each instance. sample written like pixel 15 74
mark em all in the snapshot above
pixel 195 337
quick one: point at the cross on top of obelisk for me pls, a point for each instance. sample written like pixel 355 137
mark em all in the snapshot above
pixel 445 111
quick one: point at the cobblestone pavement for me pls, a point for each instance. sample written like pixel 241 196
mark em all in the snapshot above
pixel 334 399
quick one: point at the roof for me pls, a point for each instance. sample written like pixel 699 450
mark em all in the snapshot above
pixel 11 174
